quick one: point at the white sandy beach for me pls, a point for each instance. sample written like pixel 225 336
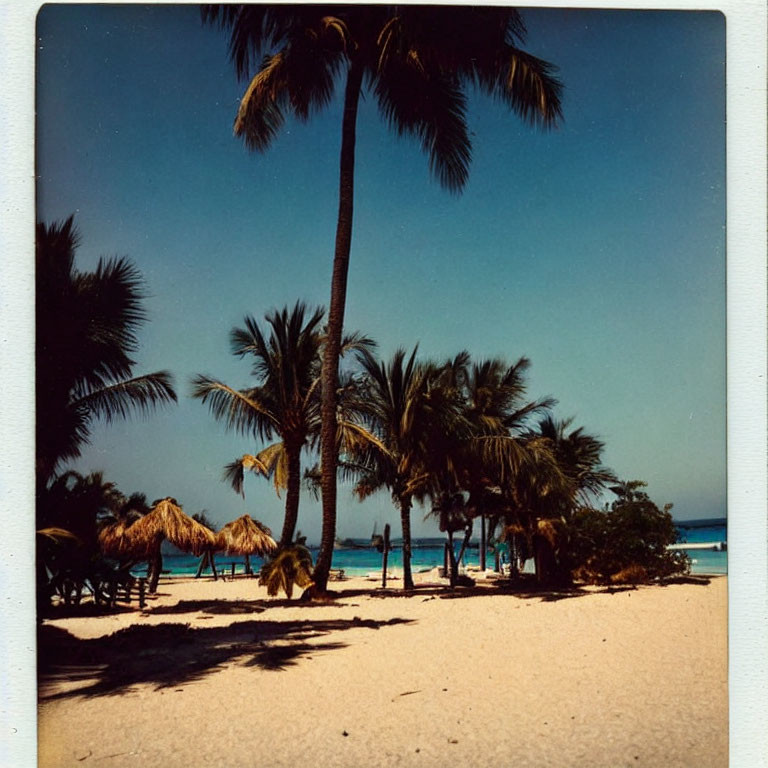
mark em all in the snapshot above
pixel 596 679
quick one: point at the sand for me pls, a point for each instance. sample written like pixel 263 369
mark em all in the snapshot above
pixel 216 673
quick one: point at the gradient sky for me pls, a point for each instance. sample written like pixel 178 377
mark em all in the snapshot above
pixel 597 249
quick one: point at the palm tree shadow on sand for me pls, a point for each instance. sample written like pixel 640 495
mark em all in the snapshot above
pixel 169 655
pixel 522 588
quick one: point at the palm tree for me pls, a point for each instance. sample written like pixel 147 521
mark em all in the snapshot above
pixel 416 62
pixel 550 508
pixel 488 446
pixel 86 327
pixel 496 408
pixel 412 416
pixel 450 508
pixel 70 512
pixel 579 455
pixel 284 404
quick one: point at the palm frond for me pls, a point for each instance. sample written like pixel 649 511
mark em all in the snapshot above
pixel 240 411
pixel 122 398
pixel 58 534
pixel 355 439
pixel 429 105
pixel 299 78
pixel 264 463
pixel 530 87
pixel 260 115
pixel 291 565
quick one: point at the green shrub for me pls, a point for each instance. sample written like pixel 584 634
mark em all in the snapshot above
pixel 626 544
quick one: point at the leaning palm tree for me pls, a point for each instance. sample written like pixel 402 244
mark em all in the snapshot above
pixel 86 327
pixel 416 62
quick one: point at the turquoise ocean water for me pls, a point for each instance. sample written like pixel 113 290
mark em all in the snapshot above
pixel 428 553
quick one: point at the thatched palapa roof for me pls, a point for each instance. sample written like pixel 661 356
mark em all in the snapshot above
pixel 165 521
pixel 112 539
pixel 245 536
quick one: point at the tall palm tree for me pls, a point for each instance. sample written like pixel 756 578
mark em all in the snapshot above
pixel 86 324
pixel 417 63
pixel 284 404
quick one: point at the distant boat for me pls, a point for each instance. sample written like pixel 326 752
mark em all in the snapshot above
pixel 377 542
pixel 349 544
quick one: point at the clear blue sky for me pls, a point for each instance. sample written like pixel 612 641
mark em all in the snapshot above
pixel 597 250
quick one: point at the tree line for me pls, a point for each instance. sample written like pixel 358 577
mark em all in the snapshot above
pixel 460 438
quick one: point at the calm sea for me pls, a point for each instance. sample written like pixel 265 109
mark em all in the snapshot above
pixel 428 553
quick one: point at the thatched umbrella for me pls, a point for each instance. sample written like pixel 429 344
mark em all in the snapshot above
pixel 142 540
pixel 112 540
pixel 246 536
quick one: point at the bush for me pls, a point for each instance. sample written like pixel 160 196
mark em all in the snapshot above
pixel 626 544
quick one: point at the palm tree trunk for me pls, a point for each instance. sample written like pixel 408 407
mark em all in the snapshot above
pixel 330 370
pixel 292 494
pixel 405 520
pixel 483 543
pixel 385 556
pixel 514 556
pixel 545 562
pixel 454 568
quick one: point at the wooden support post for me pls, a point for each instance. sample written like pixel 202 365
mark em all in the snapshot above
pixel 248 570
pixel 385 556
pixel 213 566
pixel 112 592
pixel 142 592
pixel 446 559
pixel 483 544
pixel 233 570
